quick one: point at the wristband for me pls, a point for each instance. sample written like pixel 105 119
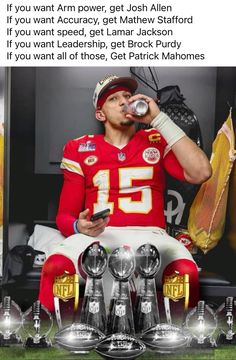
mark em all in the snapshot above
pixel 168 129
pixel 76 231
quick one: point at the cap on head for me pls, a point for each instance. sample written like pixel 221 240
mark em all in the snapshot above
pixel 112 81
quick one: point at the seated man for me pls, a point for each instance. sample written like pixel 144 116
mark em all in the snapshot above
pixel 123 170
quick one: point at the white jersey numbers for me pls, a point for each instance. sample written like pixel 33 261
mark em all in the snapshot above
pixel 127 179
pixel 101 180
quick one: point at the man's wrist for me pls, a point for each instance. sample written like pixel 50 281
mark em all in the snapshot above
pixel 75 227
pixel 168 129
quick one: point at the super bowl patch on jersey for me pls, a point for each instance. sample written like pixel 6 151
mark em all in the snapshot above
pixel 151 155
pixel 88 146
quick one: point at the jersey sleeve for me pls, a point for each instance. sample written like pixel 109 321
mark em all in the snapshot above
pixel 73 191
pixel 70 160
pixel 172 166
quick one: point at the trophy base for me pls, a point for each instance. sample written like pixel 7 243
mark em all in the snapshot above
pixel 208 343
pixel 224 341
pixel 41 344
pixel 13 340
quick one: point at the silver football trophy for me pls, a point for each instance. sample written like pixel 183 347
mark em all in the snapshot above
pixel 32 320
pixel 146 313
pixel 201 322
pixel 10 322
pixel 78 338
pixel 120 346
pixel 226 323
pixel 121 265
pixel 166 338
pixel 94 263
pixel 82 337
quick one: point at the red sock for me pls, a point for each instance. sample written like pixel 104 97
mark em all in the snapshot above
pixel 185 266
pixel 55 265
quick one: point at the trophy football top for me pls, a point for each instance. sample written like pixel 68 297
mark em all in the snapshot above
pixel 94 260
pixel 147 260
pixel 122 263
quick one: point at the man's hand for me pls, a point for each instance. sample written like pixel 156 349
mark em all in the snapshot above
pixel 153 109
pixel 91 228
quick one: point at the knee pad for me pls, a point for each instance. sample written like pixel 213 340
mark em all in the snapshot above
pixel 57 264
pixel 185 266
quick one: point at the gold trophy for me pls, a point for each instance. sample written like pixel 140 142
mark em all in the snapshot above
pixel 175 288
pixel 65 287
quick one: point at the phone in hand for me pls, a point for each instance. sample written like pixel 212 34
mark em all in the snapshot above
pixel 100 215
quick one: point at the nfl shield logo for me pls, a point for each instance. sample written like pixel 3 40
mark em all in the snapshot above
pixel 121 156
pixel 94 307
pixel 176 287
pixel 64 287
pixel 120 310
pixel 146 307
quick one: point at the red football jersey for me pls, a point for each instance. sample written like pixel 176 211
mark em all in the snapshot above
pixel 129 181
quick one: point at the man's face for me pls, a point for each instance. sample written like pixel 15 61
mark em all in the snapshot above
pixel 113 109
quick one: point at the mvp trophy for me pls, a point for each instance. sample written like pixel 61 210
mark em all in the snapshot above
pixel 10 322
pixel 33 319
pixel 121 266
pixel 201 322
pixel 94 263
pixel 226 322
pixel 146 309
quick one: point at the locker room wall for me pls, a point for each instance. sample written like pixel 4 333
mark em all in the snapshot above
pixel 64 108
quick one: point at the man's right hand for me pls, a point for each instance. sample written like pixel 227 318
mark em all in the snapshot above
pixel 91 228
